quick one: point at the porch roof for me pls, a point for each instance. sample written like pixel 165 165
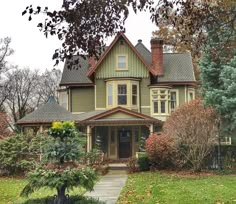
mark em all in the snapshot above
pixel 106 117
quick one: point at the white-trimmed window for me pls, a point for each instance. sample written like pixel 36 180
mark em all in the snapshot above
pixel 122 94
pixel 122 62
pixel 134 94
pixel 191 94
pixel 160 101
pixel 110 94
pixel 63 100
pixel 174 102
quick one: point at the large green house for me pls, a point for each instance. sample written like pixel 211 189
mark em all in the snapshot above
pixel 125 95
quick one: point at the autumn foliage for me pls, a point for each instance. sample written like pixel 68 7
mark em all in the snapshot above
pixel 194 128
pixel 161 150
pixel 4 131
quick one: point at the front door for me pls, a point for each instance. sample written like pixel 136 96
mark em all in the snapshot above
pixel 124 143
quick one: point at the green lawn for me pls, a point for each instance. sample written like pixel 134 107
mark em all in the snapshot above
pixel 159 188
pixel 10 189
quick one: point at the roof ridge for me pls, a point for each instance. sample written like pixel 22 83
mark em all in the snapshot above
pixel 143 46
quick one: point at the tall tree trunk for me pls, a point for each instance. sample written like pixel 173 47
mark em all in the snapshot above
pixel 61 197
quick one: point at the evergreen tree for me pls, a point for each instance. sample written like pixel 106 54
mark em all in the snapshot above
pixel 61 171
pixel 218 76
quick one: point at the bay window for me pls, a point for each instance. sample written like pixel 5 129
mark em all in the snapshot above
pixel 159 101
pixel 122 93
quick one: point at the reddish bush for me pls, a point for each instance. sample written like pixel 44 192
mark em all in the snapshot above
pixel 194 129
pixel 161 151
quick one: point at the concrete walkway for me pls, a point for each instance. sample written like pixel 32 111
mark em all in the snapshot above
pixel 108 188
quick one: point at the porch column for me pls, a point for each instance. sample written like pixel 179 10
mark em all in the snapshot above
pixel 41 129
pixel 151 129
pixel 89 139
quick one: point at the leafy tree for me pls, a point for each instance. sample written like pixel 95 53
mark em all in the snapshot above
pixel 194 128
pixel 218 76
pixel 28 89
pixel 4 124
pixel 83 25
pixel 60 171
pixel 5 51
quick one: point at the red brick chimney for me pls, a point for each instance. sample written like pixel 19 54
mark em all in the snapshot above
pixel 92 62
pixel 157 55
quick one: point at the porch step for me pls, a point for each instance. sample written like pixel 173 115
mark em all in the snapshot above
pixel 118 167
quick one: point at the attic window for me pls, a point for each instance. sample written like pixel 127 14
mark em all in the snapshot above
pixel 121 62
pixel 121 42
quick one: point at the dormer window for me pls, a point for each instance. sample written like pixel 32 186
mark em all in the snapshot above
pixel 122 62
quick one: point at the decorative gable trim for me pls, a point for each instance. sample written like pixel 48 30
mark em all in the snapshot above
pixel 123 110
pixel 120 34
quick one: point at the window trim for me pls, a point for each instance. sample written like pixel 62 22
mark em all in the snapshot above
pixel 177 99
pixel 191 90
pixel 117 62
pixel 62 95
pixel 129 83
pixel 121 94
pixel 158 100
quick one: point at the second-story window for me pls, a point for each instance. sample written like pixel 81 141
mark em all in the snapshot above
pixel 173 101
pixel 122 94
pixel 134 94
pixel 121 62
pixel 160 101
pixel 110 95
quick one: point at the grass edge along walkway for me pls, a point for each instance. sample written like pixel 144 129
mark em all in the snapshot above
pixel 108 188
pixel 164 188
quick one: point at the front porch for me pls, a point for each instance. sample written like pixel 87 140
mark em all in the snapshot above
pixel 117 142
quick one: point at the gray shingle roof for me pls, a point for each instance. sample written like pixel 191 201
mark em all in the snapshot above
pixel 178 67
pixel 84 116
pixel 47 113
pixel 77 75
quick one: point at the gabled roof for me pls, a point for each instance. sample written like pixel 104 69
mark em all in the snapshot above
pixel 119 35
pixel 77 75
pixel 102 117
pixel 47 113
pixel 178 67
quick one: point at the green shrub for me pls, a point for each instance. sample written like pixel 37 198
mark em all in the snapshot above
pixel 143 163
pixel 16 155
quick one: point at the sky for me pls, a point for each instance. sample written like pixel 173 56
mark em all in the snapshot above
pixel 34 50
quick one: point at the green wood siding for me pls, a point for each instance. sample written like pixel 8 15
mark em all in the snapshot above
pixel 145 97
pixel 82 99
pixel 100 93
pixel 120 115
pixel 144 93
pixel 181 94
pixel 108 67
pixel 146 111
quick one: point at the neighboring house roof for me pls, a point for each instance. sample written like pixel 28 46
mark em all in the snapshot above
pixel 47 113
pixel 76 75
